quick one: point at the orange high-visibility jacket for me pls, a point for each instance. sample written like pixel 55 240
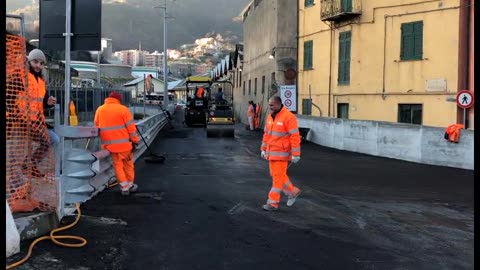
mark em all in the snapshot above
pixel 32 100
pixel 200 92
pixel 250 112
pixel 281 137
pixel 117 127
pixel 256 119
pixel 452 132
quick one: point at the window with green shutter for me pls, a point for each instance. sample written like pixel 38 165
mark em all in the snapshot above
pixel 306 106
pixel 344 57
pixel 309 3
pixel 412 41
pixel 342 110
pixel 308 55
pixel 346 5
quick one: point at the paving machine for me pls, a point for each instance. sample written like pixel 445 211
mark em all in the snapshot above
pixel 210 109
pixel 197 104
pixel 220 119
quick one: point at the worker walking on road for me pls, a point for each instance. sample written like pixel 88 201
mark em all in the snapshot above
pixel 119 136
pixel 280 144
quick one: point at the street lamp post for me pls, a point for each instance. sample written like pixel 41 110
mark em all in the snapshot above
pixel 165 57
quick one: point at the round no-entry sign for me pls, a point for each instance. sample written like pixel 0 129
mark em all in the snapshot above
pixel 465 99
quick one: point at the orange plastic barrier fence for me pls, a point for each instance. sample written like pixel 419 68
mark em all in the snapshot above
pixel 30 158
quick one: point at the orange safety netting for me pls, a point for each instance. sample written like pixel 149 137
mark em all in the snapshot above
pixel 30 158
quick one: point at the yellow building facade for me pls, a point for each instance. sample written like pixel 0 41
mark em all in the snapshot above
pixel 380 60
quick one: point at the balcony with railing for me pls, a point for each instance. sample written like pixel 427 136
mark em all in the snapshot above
pixel 339 10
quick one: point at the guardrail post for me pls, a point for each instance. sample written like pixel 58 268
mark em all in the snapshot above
pixel 58 163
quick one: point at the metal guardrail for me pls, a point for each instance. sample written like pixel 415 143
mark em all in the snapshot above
pixel 87 170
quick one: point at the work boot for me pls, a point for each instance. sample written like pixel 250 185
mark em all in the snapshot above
pixel 292 198
pixel 270 207
pixel 132 189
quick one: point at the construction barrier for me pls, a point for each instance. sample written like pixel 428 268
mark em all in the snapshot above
pixel 30 159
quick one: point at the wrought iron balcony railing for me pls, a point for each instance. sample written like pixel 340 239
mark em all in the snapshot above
pixel 338 10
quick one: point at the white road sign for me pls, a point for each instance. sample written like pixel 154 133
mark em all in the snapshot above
pixel 288 94
pixel 465 99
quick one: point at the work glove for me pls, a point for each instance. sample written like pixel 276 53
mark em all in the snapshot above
pixel 263 154
pixel 295 159
pixel 134 146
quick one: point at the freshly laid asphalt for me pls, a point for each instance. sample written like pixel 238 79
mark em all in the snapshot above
pixel 202 210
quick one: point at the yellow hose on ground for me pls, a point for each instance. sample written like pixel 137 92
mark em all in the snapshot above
pixel 112 185
pixel 54 238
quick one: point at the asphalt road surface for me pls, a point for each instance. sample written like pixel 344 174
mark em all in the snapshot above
pixel 202 210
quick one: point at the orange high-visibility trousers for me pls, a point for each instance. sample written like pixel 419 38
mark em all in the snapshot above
pixel 124 168
pixel 281 182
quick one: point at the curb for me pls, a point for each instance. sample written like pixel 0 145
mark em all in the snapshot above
pixel 35 224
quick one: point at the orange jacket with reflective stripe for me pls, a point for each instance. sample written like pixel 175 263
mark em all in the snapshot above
pixel 117 127
pixel 281 138
pixel 32 101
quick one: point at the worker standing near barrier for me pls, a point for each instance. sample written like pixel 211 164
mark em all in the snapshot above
pixel 37 100
pixel 251 115
pixel 280 144
pixel 256 118
pixel 119 136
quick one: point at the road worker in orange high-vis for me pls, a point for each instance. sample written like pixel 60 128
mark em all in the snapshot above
pixel 280 144
pixel 251 115
pixel 119 136
pixel 200 92
pixel 256 118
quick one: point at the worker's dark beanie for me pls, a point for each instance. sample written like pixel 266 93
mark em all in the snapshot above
pixel 115 95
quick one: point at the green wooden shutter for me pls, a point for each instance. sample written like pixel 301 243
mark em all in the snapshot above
pixel 308 54
pixel 418 40
pixel 306 106
pixel 346 5
pixel 344 58
pixel 341 49
pixel 407 42
pixel 348 42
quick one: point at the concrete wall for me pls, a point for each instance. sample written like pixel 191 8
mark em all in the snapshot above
pixel 375 65
pixel 12 235
pixel 417 143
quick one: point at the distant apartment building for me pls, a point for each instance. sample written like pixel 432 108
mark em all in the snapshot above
pixel 131 57
pixel 154 59
pixel 396 61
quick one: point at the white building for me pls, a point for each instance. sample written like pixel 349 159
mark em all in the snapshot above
pixel 154 59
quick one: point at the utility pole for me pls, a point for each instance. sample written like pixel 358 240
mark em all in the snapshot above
pixel 67 34
pixel 165 55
